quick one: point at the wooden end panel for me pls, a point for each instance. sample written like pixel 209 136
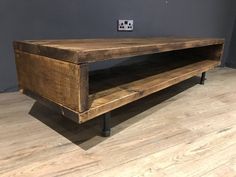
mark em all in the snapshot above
pixel 214 52
pixel 83 87
pixel 211 52
pixel 57 81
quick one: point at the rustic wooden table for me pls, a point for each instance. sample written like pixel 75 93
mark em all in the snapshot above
pixel 58 71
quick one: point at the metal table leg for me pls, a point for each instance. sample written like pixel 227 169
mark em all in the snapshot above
pixel 203 78
pixel 106 130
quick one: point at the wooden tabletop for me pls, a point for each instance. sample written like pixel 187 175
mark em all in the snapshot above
pixel 92 50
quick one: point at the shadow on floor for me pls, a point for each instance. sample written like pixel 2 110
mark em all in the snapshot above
pixel 87 135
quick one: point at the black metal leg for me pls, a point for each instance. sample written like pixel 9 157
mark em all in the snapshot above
pixel 106 130
pixel 203 78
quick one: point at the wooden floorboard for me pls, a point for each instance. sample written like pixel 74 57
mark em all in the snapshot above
pixel 185 130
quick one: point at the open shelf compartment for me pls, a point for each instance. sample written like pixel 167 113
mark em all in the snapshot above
pixel 116 86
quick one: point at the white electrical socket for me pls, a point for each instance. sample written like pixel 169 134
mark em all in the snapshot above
pixel 125 25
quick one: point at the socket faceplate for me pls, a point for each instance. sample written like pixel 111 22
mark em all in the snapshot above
pixel 125 25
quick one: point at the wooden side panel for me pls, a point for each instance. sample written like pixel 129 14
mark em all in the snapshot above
pixel 54 80
pixel 83 87
pixel 213 52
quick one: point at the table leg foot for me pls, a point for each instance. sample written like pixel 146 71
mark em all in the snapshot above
pixel 106 130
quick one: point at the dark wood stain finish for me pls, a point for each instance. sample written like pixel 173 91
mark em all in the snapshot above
pixel 57 70
pixel 92 50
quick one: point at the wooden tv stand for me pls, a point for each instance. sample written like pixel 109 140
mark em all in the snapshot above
pixel 58 71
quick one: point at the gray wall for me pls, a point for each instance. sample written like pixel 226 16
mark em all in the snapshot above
pixel 231 58
pixel 54 19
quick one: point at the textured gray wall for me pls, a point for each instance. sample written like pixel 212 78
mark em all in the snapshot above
pixel 54 19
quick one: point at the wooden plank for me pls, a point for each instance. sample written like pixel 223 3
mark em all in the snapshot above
pixel 92 50
pixel 107 100
pixel 83 87
pixel 54 80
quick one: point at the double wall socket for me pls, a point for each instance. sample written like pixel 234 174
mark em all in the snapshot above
pixel 125 25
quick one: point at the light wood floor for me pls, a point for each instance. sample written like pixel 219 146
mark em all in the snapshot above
pixel 185 130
